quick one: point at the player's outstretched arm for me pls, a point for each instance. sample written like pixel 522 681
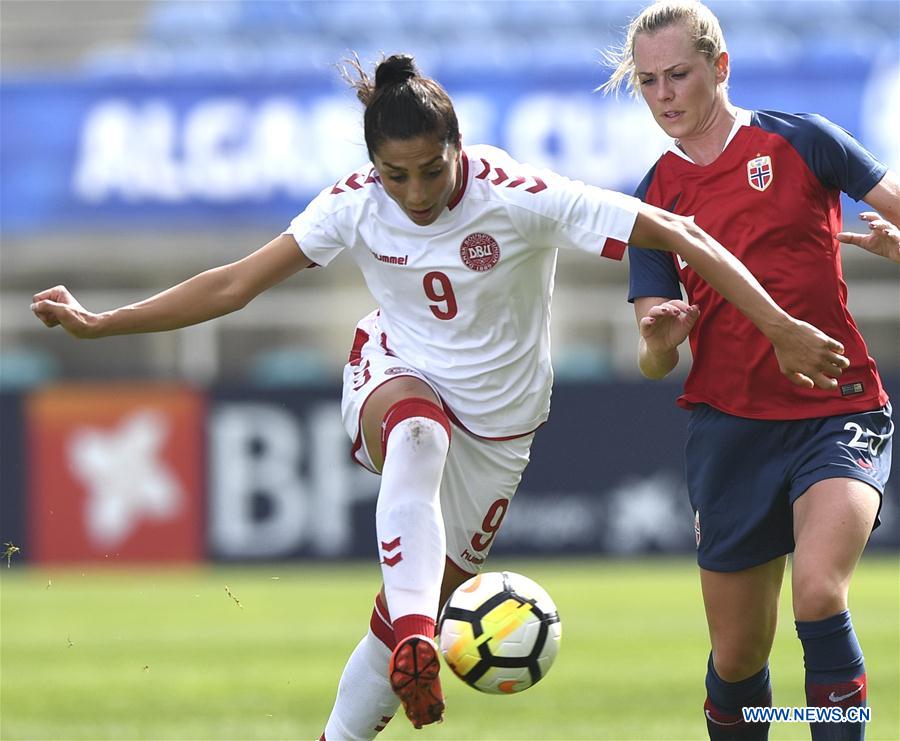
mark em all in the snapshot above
pixel 884 223
pixel 807 356
pixel 207 295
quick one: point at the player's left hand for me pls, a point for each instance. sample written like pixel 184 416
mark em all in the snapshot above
pixel 809 357
pixel 883 238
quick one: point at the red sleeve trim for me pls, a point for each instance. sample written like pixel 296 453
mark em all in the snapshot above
pixel 613 249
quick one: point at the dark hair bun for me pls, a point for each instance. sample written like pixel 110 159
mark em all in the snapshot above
pixel 395 70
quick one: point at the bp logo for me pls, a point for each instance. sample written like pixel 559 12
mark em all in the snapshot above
pixel 479 252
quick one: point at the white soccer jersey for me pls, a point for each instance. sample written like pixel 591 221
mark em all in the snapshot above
pixel 466 300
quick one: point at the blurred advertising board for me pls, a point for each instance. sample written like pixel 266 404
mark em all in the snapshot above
pixel 211 152
pixel 12 470
pixel 136 472
pixel 115 472
pixel 282 483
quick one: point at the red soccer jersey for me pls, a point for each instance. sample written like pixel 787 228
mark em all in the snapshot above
pixel 772 198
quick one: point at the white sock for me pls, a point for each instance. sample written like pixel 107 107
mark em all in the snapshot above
pixel 408 517
pixel 365 701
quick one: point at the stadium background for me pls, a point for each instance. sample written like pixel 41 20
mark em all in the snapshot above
pixel 145 141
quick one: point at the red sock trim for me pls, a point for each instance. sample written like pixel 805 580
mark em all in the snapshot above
pixel 720 718
pixel 411 625
pixel 837 694
pixel 380 623
pixel 412 407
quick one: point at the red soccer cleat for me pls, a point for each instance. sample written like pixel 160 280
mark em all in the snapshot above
pixel 413 673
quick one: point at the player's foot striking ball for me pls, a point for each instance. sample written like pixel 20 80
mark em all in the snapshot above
pixel 500 632
pixel 414 678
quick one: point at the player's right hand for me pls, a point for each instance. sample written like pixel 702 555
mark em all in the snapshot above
pixel 809 357
pixel 57 307
pixel 665 326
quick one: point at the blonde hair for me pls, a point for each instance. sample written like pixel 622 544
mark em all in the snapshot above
pixel 700 21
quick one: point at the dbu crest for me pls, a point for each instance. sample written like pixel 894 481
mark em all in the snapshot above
pixel 759 173
pixel 479 252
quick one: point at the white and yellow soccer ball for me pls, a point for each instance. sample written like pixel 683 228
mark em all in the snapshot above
pixel 499 632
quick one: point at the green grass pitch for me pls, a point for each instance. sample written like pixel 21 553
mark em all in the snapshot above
pixel 150 654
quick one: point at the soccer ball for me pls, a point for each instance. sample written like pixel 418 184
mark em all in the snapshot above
pixel 499 632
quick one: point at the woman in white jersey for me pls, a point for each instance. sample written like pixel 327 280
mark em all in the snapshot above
pixel 449 378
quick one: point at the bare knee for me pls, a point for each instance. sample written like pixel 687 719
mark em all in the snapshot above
pixel 818 596
pixel 737 660
pixel 832 523
pixel 742 612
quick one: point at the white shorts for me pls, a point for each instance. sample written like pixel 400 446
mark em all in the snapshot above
pixel 480 476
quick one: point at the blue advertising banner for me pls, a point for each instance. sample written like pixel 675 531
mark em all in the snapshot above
pixel 606 476
pixel 281 480
pixel 125 151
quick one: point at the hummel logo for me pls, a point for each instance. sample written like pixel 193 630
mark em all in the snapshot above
pixel 391 259
pixel 832 697
pixel 388 547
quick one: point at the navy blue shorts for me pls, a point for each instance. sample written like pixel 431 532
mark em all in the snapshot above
pixel 744 475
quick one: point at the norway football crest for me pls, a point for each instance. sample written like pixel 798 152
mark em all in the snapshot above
pixel 759 172
pixel 479 252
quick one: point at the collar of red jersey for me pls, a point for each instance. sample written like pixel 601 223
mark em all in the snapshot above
pixel 741 119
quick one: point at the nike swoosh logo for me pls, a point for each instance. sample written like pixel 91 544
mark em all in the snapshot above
pixel 721 723
pixel 838 698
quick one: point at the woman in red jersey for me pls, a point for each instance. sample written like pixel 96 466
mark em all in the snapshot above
pixel 772 468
